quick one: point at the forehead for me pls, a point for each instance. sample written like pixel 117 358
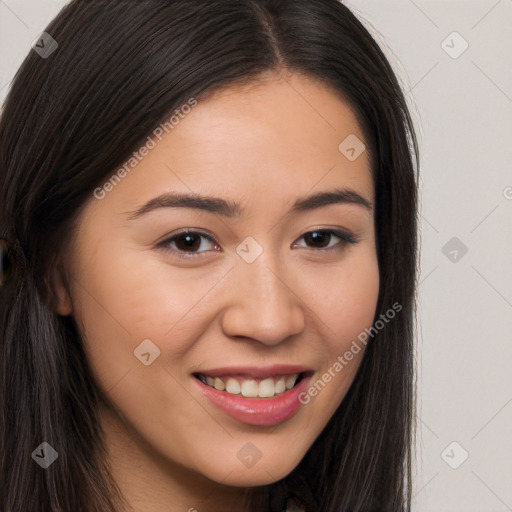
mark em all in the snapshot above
pixel 283 114
pixel 265 143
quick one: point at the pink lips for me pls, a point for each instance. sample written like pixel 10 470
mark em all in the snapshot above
pixel 257 411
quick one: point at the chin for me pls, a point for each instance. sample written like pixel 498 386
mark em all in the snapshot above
pixel 252 477
pixel 264 471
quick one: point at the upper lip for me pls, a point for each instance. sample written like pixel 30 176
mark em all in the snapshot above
pixel 258 372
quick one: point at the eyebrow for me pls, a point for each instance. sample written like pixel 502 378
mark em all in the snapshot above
pixel 232 209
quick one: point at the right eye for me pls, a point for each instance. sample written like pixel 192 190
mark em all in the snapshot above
pixel 186 243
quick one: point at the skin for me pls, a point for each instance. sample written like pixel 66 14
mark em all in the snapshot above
pixel 263 146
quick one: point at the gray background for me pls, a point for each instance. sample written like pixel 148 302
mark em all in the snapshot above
pixel 462 105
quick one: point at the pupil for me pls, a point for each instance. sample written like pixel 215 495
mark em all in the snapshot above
pixel 189 241
pixel 319 236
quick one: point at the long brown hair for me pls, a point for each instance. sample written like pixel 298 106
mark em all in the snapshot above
pixel 69 119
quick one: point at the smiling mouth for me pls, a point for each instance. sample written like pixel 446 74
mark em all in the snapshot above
pixel 252 388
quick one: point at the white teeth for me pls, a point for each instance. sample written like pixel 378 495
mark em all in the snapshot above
pixel 219 384
pixel 280 386
pixel 233 386
pixel 290 381
pixel 250 388
pixel 266 388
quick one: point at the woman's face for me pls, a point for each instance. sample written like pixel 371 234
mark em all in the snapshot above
pixel 268 284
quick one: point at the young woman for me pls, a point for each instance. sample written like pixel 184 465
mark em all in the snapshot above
pixel 208 219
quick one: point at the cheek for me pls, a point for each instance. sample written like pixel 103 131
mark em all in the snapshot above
pixel 347 307
pixel 120 307
pixel 128 294
pixel 120 299
pixel 347 298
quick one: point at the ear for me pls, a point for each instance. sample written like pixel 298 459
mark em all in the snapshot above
pixel 61 303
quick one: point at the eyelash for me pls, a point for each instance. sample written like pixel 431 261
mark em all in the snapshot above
pixel 346 238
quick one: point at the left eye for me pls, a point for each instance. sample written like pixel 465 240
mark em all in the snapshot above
pixel 320 236
pixel 187 243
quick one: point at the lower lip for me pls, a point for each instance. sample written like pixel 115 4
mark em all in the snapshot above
pixel 257 411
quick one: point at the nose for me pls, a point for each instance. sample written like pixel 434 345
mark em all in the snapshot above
pixel 263 305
